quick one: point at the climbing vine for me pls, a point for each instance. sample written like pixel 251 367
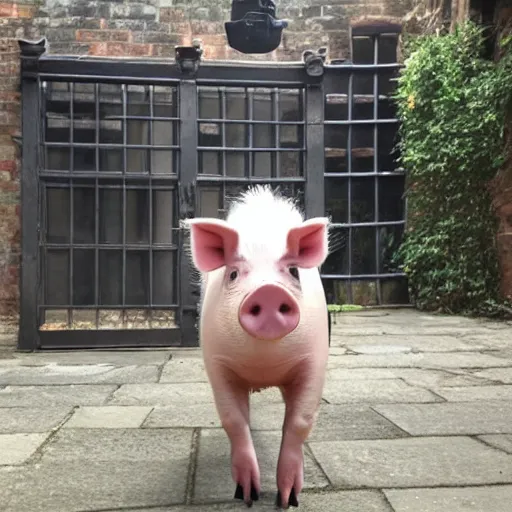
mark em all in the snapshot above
pixel 452 104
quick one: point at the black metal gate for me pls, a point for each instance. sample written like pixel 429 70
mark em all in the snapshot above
pixel 115 153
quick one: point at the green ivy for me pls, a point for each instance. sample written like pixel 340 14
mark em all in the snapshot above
pixel 452 105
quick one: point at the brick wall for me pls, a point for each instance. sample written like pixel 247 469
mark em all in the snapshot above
pixel 139 28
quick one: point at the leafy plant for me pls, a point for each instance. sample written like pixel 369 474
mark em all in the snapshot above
pixel 340 308
pixel 452 105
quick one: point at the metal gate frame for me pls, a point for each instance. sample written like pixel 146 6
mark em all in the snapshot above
pixel 186 74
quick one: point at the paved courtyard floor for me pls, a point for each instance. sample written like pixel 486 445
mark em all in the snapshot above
pixel 416 417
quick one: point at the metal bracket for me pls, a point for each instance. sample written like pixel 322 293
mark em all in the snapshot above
pixel 188 58
pixel 30 52
pixel 314 61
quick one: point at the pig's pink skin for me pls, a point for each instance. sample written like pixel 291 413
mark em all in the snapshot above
pixel 238 363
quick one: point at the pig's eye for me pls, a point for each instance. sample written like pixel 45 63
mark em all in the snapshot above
pixel 233 275
pixel 294 271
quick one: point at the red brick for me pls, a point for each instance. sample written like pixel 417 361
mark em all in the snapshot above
pixel 207 27
pixel 8 165
pixel 102 35
pixel 12 10
pixel 171 15
pixel 112 49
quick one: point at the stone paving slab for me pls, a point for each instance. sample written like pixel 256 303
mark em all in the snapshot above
pixel 503 375
pixel 468 499
pixel 427 360
pixel 77 374
pixel 417 343
pixel 213 475
pixel 97 469
pixel 375 391
pixel 18 448
pixel 344 501
pixel 84 357
pixel 108 417
pixel 184 368
pixel 31 420
pixel 450 418
pixel 412 462
pixel 51 396
pixel 193 416
pixel 182 394
pixel 438 378
pixel 502 442
pixel 470 394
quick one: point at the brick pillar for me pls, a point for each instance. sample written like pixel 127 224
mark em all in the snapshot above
pixel 503 181
pixel 15 22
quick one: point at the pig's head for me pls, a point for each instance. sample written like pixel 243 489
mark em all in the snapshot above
pixel 260 261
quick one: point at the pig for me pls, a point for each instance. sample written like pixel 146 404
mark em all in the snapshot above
pixel 263 323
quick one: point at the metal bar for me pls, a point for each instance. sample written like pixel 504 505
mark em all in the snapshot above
pixel 188 177
pixel 362 121
pixel 250 143
pixel 376 163
pixel 97 210
pixel 88 145
pixel 107 175
pixel 224 115
pixel 368 224
pixel 28 333
pixel 254 121
pixel 364 174
pixel 275 169
pixel 125 164
pixel 71 198
pixel 350 123
pixel 251 149
pixel 150 193
pixel 111 338
pixel 113 246
pixel 243 179
pixel 362 277
pixel 315 155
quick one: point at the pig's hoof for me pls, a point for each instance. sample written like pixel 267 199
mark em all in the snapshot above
pixel 239 495
pixel 292 500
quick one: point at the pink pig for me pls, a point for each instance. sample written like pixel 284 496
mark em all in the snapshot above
pixel 263 323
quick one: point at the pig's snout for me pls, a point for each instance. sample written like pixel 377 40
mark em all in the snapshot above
pixel 269 313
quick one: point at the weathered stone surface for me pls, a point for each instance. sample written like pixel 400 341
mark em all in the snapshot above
pixel 498 374
pixel 503 392
pixel 374 391
pixel 450 418
pixel 23 420
pixel 437 378
pixel 213 475
pixel 427 360
pixel 184 367
pixel 412 462
pixel 502 442
pixel 86 357
pixel 108 417
pixel 358 373
pixel 18 448
pixel 474 499
pixel 350 501
pixel 77 374
pixel 193 415
pixel 101 469
pixel 48 396
pixel 418 343
pixel 163 394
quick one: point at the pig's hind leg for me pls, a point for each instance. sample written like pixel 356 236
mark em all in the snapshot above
pixel 232 402
pixel 302 397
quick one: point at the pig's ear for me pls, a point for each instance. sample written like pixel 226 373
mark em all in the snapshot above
pixel 213 243
pixel 308 244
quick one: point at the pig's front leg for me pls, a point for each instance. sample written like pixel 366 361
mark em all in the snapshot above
pixel 302 397
pixel 232 402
